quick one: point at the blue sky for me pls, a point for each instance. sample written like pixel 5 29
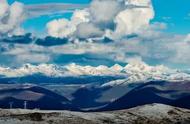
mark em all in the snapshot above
pixel 175 13
pixel 40 23
pixel 51 1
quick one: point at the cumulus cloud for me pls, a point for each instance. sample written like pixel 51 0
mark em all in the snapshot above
pixel 112 18
pixel 60 28
pixel 3 7
pixel 103 12
pixel 132 20
pixel 88 30
pixel 66 28
pixel 11 16
pixel 98 23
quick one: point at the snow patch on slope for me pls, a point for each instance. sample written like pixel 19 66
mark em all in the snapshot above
pixel 160 110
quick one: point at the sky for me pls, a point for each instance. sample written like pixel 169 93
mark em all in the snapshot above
pixel 41 21
pixel 174 13
pixel 95 32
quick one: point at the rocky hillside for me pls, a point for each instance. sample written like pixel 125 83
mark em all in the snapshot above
pixel 148 114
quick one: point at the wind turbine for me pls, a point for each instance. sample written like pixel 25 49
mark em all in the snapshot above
pixel 25 104
pixel 10 105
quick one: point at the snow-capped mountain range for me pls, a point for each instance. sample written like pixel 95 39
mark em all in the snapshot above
pixel 136 71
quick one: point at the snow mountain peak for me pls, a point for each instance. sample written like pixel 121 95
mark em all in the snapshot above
pixel 134 71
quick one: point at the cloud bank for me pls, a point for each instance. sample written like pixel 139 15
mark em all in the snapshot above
pixel 170 50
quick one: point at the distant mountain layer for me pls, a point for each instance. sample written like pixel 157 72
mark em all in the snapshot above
pixel 31 97
pixel 148 114
pixel 94 97
pixel 43 79
pixel 117 97
pixel 170 93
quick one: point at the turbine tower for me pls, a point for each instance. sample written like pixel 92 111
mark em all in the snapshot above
pixel 10 105
pixel 25 104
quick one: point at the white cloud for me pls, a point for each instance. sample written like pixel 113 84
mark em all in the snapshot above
pixel 104 11
pixel 106 15
pixel 98 22
pixel 88 30
pixel 82 48
pixel 3 8
pixel 27 53
pixel 66 28
pixel 36 10
pixel 11 16
pixel 140 2
pixel 80 16
pixel 181 49
pixel 133 20
pixel 32 58
pixel 187 39
pixel 60 28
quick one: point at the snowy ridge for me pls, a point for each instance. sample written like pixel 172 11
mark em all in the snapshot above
pixel 135 71
pixel 160 110
pixel 28 69
pixel 138 71
pixel 58 71
pixel 90 70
